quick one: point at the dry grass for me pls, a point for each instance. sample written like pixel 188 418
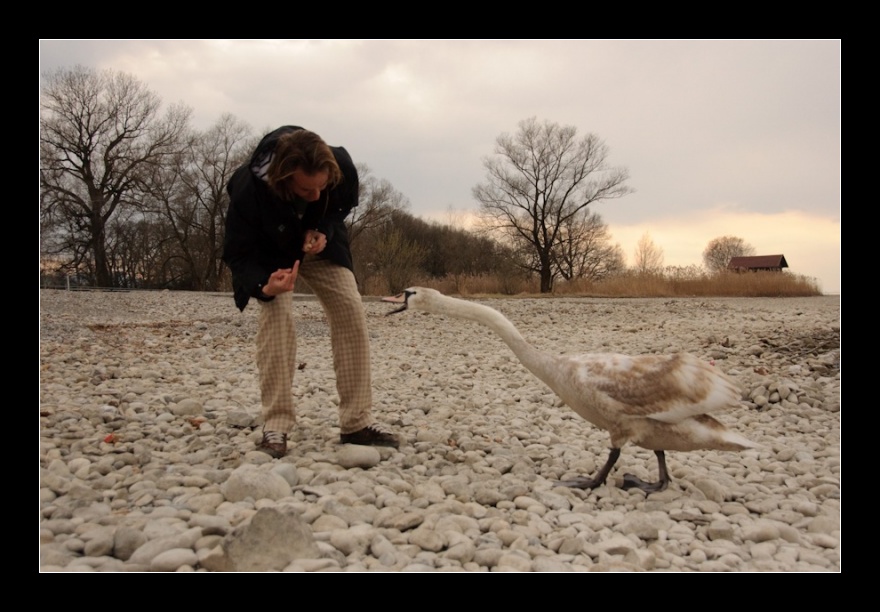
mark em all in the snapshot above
pixel 726 284
pixel 676 282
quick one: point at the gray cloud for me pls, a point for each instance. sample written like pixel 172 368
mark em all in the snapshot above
pixel 749 125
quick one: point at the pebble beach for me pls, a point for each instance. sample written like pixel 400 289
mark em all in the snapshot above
pixel 150 416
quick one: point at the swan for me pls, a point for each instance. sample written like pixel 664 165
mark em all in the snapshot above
pixel 657 402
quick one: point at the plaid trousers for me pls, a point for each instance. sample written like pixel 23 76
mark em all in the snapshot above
pixel 336 289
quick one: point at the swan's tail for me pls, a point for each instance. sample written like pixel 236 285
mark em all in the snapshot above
pixel 735 442
pixel 715 435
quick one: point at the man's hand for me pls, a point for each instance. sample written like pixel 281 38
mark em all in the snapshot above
pixel 314 242
pixel 281 281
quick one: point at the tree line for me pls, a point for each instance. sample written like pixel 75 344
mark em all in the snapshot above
pixel 132 196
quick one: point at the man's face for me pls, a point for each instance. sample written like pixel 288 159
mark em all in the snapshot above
pixel 308 186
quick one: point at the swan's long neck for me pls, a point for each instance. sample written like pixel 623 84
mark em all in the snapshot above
pixel 537 362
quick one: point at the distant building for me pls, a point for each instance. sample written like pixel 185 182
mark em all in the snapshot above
pixel 770 263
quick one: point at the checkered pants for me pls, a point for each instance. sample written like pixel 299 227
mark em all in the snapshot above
pixel 337 291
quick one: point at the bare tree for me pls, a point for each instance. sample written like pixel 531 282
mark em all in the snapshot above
pixel 538 179
pixel 189 194
pixel 378 204
pixel 99 134
pixel 377 201
pixel 585 251
pixel 142 252
pixel 720 251
pixel 648 256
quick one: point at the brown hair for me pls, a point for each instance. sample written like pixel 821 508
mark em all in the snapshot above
pixel 301 150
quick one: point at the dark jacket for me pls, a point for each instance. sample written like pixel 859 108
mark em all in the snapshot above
pixel 264 233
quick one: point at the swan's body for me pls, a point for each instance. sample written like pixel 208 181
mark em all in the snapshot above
pixel 658 402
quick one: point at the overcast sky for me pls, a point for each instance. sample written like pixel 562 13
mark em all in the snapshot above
pixel 720 138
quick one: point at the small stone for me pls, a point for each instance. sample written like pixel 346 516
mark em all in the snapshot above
pixel 249 481
pixel 720 530
pixel 356 455
pixel 173 560
pixel 187 407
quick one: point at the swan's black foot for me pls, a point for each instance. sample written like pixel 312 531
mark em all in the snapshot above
pixel 634 482
pixel 631 481
pixel 591 483
pixel 581 483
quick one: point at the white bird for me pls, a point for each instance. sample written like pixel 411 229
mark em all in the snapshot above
pixel 658 402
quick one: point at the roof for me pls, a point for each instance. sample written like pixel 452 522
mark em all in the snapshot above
pixel 758 261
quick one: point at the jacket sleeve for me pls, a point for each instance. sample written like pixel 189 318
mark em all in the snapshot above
pixel 240 241
pixel 342 198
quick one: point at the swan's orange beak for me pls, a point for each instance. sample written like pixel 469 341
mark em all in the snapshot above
pixel 400 298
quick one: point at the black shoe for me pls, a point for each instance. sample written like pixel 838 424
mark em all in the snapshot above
pixel 274 443
pixel 370 435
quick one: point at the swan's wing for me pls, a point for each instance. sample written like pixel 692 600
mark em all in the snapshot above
pixel 668 388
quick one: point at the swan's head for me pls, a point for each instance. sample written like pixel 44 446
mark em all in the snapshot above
pixel 420 298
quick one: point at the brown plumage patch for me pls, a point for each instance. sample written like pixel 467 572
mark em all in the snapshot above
pixel 710 422
pixel 652 382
